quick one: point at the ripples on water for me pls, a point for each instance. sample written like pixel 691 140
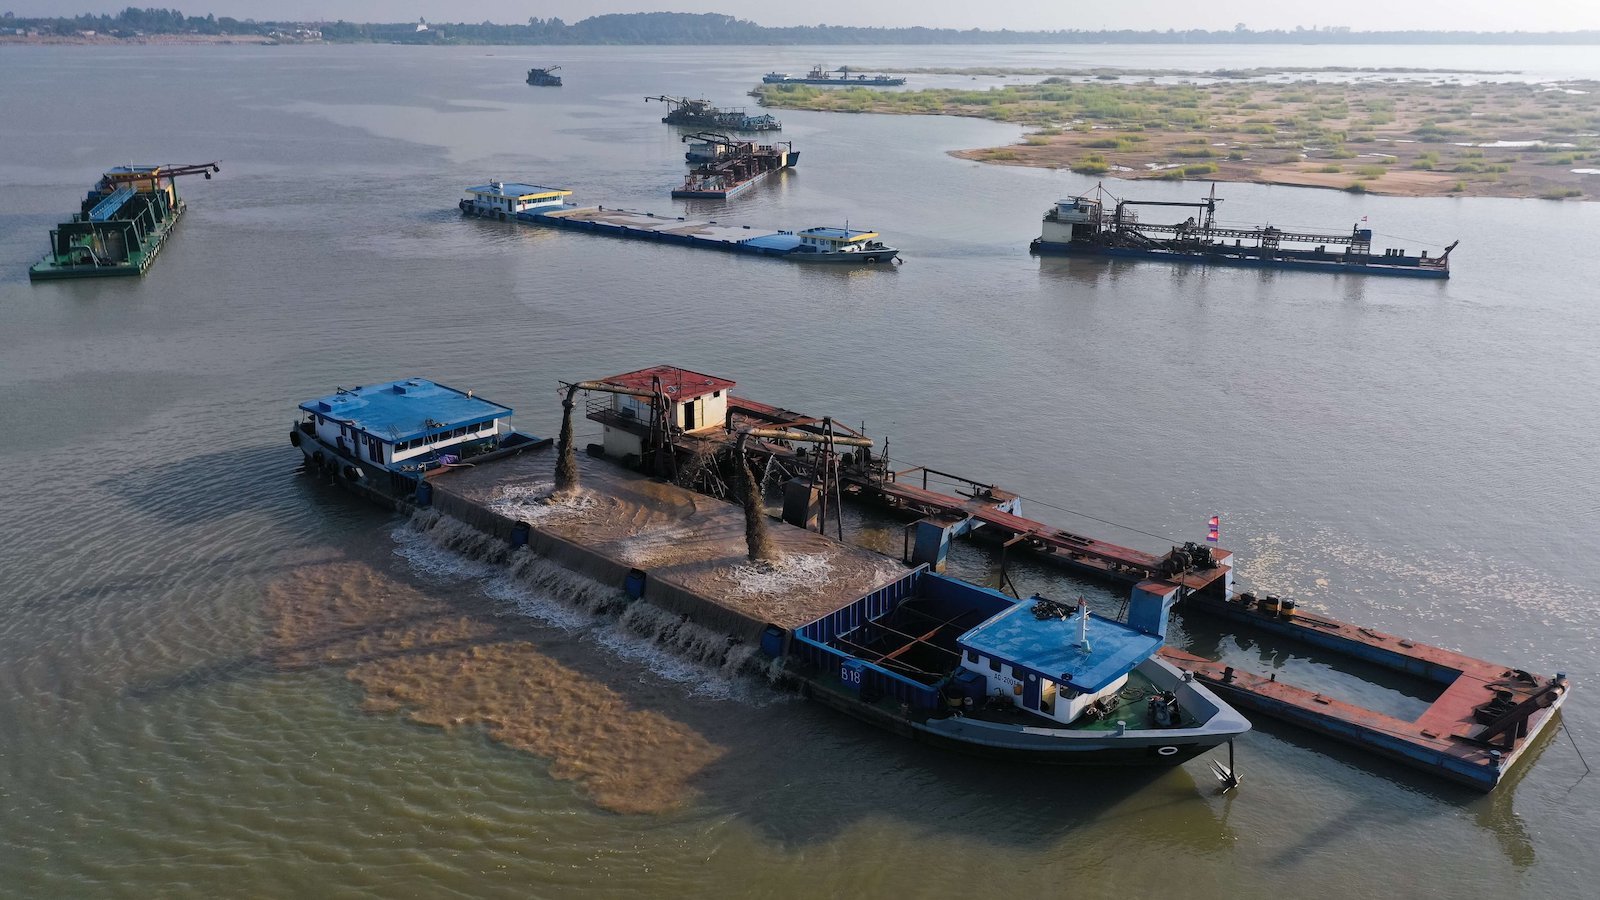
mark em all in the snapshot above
pixel 190 630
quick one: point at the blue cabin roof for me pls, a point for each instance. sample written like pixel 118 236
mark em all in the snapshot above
pixel 515 189
pixel 404 410
pixel 1049 647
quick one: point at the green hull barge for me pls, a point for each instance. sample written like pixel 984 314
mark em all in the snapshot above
pixel 125 220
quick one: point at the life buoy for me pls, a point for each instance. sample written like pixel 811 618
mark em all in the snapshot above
pixel 1167 751
pixel 294 437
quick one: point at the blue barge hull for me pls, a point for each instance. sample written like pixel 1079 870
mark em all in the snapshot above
pixel 819 245
pixel 1287 260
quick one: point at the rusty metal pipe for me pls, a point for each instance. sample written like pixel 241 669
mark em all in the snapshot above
pixel 784 434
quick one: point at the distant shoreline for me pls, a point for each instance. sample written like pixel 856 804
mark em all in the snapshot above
pixel 102 40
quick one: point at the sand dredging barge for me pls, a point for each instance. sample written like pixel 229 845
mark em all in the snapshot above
pixel 534 204
pixel 733 166
pixel 895 643
pixel 125 220
pixel 1091 225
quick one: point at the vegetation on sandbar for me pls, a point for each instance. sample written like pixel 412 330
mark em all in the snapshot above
pixel 1394 135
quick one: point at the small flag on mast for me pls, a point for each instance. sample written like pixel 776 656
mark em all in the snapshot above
pixel 1212 529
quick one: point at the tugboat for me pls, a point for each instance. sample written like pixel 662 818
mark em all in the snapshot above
pixel 1083 226
pixel 701 114
pixel 125 220
pixel 968 668
pixel 545 77
pixel 818 75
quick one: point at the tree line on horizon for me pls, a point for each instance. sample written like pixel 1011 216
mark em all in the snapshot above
pixel 716 28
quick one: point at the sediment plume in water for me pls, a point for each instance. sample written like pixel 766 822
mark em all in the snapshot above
pixel 448 664
pixel 566 455
pixel 758 541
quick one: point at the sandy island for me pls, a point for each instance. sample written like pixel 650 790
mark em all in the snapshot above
pixel 1374 132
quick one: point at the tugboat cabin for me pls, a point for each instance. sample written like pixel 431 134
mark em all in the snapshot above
pixel 834 240
pixel 508 198
pixel 409 425
pixel 688 402
pixel 1054 660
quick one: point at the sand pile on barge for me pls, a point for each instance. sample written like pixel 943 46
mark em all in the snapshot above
pixel 691 546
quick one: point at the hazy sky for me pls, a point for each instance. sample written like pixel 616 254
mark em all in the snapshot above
pixel 1020 15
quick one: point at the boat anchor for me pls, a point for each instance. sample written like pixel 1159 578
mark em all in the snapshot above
pixel 1229 774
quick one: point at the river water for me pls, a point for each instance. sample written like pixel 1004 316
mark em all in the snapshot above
pixel 218 678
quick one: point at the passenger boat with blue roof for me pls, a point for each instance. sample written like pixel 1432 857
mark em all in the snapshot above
pixel 388 438
pixel 539 205
pixel 969 668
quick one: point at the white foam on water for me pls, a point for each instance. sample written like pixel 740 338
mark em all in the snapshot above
pixel 1439 594
pixel 429 558
pixel 790 571
pixel 640 549
pixel 532 503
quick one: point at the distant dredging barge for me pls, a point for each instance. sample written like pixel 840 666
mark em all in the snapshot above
pixel 1085 226
pixel 124 222
pixel 732 166
pixel 907 649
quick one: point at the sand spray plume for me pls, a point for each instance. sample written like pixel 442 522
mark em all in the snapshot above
pixel 566 456
pixel 757 539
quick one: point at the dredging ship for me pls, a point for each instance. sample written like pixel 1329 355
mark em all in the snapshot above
pixel 1085 226
pixel 538 205
pixel 545 77
pixel 734 166
pixel 820 76
pixel 895 643
pixel 689 113
pixel 124 221
pixel 921 654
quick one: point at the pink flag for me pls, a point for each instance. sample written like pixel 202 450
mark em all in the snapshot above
pixel 1212 529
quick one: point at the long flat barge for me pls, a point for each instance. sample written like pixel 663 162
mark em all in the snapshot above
pixel 1085 226
pixel 125 221
pixel 538 205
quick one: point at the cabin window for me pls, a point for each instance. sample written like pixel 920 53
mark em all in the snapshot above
pixel 994 664
pixel 1047 698
pixel 972 656
pixel 716 393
